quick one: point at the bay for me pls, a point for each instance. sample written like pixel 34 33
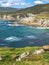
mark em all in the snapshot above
pixel 22 36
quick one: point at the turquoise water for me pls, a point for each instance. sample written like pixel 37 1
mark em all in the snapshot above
pixel 22 36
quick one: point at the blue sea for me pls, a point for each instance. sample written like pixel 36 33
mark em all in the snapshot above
pixel 22 36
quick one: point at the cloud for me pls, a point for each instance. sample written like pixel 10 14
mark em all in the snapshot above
pixel 21 3
pixel 6 4
pixel 38 2
pixel 15 3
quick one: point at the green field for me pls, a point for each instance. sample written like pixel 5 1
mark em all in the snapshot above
pixel 9 55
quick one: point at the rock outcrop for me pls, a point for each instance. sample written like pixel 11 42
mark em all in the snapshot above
pixel 23 55
pixel 46 47
pixel 38 51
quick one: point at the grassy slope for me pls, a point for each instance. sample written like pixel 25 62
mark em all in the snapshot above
pixel 7 9
pixel 36 9
pixel 42 59
pixel 43 15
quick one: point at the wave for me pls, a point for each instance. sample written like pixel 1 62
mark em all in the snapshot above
pixel 13 25
pixel 12 38
pixel 42 27
pixel 31 36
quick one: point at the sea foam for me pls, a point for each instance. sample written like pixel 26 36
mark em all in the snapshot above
pixel 31 36
pixel 12 38
pixel 13 25
pixel 42 27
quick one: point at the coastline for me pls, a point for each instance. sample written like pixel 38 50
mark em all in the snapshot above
pixel 42 27
pixel 38 27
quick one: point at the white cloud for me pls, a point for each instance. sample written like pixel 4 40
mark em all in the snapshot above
pixel 38 2
pixel 6 4
pixel 11 3
pixel 21 3
pixel 16 3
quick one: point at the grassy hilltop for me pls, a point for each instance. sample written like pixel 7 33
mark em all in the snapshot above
pixel 10 53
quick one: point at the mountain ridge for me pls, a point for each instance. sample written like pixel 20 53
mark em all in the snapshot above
pixel 36 9
pixel 7 9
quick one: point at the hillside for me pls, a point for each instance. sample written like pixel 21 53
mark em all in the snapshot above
pixel 7 9
pixel 40 8
pixel 9 56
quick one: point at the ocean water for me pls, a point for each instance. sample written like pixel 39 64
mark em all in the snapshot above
pixel 22 36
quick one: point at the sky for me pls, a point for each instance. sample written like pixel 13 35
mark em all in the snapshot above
pixel 21 3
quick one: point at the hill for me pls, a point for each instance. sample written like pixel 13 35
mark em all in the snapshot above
pixel 9 56
pixel 7 9
pixel 40 8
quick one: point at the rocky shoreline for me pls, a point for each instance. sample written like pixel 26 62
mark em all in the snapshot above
pixel 28 19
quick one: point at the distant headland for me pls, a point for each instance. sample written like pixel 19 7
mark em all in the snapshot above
pixel 37 15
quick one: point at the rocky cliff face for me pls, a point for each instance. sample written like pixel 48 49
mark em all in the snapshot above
pixel 32 20
pixel 7 17
pixel 27 20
